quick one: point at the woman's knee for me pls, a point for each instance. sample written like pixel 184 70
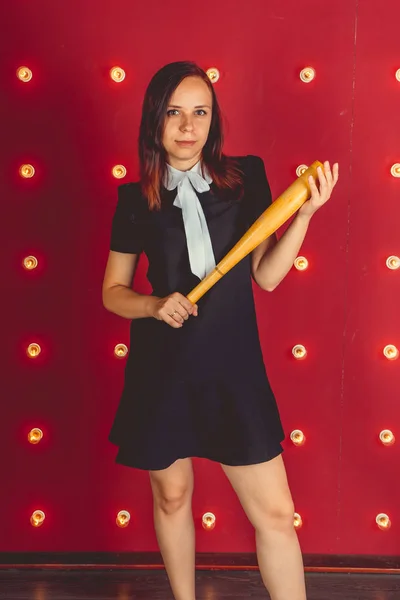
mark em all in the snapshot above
pixel 277 516
pixel 172 489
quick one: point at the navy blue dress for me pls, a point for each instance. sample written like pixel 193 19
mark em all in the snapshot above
pixel 201 390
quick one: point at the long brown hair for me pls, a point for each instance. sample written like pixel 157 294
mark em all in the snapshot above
pixel 224 170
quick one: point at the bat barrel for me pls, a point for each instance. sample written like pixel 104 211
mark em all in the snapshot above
pixel 271 219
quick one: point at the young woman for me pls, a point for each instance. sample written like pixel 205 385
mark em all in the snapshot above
pixel 195 382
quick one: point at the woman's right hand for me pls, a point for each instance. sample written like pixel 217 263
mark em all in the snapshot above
pixel 174 309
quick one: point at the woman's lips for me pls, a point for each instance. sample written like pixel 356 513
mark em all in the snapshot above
pixel 184 144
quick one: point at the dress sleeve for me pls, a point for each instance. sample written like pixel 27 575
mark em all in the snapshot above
pixel 126 230
pixel 258 190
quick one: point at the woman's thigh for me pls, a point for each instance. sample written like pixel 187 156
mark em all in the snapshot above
pixel 263 490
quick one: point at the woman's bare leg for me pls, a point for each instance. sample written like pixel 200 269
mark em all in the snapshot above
pixel 264 493
pixel 173 520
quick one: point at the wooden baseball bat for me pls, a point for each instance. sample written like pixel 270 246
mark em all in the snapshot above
pixel 267 223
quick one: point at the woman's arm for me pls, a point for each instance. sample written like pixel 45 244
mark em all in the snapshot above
pixel 272 260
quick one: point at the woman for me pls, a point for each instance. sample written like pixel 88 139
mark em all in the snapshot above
pixel 195 382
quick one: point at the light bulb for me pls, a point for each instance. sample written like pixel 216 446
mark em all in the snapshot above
pixel 307 74
pixel 119 171
pixel 123 518
pixel 33 350
pixel 121 350
pixel 299 351
pixel 37 518
pixel 117 74
pixel 387 438
pixel 213 74
pixel 395 170
pixel 35 436
pixel 298 521
pixel 208 521
pixel 298 438
pixel 383 521
pixel 301 263
pixel 391 352
pixel 27 171
pixel 398 74
pixel 30 263
pixel 393 262
pixel 24 74
pixel 301 169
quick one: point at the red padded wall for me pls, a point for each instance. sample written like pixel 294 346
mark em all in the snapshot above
pixel 74 123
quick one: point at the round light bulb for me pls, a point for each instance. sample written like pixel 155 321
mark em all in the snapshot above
pixel 35 435
pixel 298 438
pixel 208 521
pixel 383 521
pixel 301 263
pixel 391 352
pixel 27 171
pixel 30 262
pixel 299 351
pixel 395 170
pixel 24 74
pixel 213 74
pixel 298 521
pixel 307 74
pixel 119 171
pixel 33 350
pixel 393 262
pixel 117 74
pixel 301 169
pixel 123 518
pixel 387 437
pixel 121 350
pixel 37 518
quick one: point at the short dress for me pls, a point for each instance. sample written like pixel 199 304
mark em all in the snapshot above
pixel 200 390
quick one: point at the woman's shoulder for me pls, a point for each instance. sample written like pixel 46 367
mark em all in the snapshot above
pixel 250 164
pixel 130 196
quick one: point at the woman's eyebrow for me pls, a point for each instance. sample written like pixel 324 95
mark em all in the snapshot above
pixel 199 106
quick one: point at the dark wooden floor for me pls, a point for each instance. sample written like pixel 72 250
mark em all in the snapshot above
pixel 211 585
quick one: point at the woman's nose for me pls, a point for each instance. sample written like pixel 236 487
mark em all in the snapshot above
pixel 187 124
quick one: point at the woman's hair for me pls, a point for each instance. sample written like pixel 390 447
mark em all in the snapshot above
pixel 224 171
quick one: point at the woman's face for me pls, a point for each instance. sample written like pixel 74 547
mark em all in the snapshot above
pixel 187 120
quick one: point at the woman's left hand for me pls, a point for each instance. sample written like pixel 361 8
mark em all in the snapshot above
pixel 327 181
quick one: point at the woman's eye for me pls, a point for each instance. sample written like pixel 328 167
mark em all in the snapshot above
pixel 171 111
pixel 202 111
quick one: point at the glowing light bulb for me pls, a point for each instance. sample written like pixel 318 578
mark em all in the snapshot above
pixel 37 518
pixel 393 262
pixel 121 350
pixel 301 263
pixel 35 435
pixel 391 352
pixel 298 438
pixel 33 350
pixel 24 74
pixel 307 74
pixel 27 171
pixel 123 518
pixel 213 74
pixel 30 263
pixel 301 169
pixel 398 74
pixel 208 521
pixel 299 351
pixel 387 437
pixel 383 521
pixel 117 74
pixel 298 521
pixel 395 170
pixel 119 171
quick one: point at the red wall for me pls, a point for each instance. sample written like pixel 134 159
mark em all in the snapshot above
pixel 73 123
